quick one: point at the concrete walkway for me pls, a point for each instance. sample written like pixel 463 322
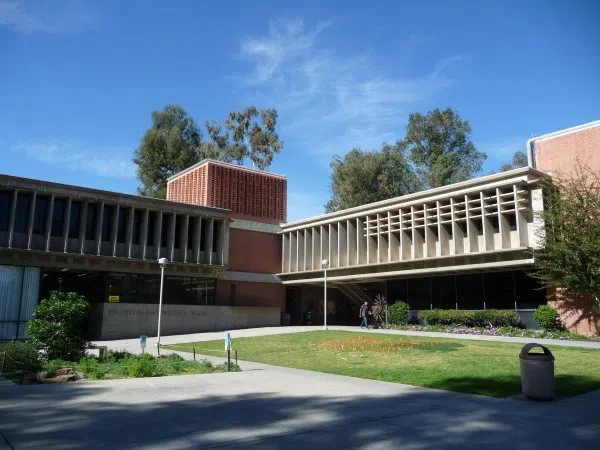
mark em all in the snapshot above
pixel 279 408
pixel 132 345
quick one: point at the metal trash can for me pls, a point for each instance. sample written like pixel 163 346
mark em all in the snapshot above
pixel 537 373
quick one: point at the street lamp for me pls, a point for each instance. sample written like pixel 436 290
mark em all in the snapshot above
pixel 325 266
pixel 162 262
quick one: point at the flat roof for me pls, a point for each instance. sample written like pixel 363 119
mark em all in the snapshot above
pixel 418 195
pixel 224 164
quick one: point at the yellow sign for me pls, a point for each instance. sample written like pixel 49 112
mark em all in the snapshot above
pixel 113 299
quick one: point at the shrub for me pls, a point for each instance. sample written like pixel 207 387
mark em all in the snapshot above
pixel 378 310
pixel 547 318
pixel 398 313
pixel 142 366
pixel 19 356
pixel 493 317
pixel 59 325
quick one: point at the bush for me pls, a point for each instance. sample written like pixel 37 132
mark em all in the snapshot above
pixel 378 311
pixel 398 313
pixel 59 325
pixel 142 366
pixel 493 317
pixel 19 356
pixel 547 318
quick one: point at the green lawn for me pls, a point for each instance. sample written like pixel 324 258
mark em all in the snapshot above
pixel 486 368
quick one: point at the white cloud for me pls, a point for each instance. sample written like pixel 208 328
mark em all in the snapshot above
pixel 329 101
pixel 106 162
pixel 69 16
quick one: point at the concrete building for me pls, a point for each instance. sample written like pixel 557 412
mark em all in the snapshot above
pixel 235 262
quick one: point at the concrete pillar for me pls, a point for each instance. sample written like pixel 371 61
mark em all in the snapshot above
pixel 184 237
pixel 144 232
pixel 458 235
pixel 393 238
pixel 352 243
pixel 316 248
pixel 333 246
pixel 293 251
pixel 300 250
pixel 285 253
pixel 430 240
pixel 308 249
pixel 208 241
pixel 48 233
pixel 99 224
pixel 488 229
pixel 31 219
pixel 66 222
pixel 115 228
pixel 129 234
pixel 324 244
pixel 503 224
pixel 11 219
pixel 417 237
pixel 225 243
pixel 381 244
pixel 362 242
pixel 82 227
pixel 197 239
pixel 405 234
pixel 157 234
pixel 443 241
pixel 520 207
pixel 472 233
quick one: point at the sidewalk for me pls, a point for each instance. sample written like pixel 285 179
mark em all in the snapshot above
pixel 132 345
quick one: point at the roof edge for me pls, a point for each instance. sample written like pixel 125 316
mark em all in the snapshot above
pixel 224 164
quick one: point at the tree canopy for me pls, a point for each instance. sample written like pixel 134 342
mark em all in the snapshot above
pixel 440 148
pixel 437 150
pixel 570 258
pixel 175 142
pixel 518 160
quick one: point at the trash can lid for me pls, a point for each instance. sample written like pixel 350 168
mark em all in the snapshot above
pixel 546 356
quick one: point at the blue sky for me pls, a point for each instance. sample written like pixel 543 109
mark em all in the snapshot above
pixel 79 79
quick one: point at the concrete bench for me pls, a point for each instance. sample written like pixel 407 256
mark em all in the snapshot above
pixel 102 349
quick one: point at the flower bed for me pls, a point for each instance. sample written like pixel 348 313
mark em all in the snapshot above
pixel 499 331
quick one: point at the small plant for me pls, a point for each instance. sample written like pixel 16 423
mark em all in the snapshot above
pixel 59 325
pixel 398 313
pixel 379 311
pixel 142 366
pixel 19 356
pixel 547 318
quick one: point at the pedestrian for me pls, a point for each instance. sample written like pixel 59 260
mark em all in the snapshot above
pixel 364 311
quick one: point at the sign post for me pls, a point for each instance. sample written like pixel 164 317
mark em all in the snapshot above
pixel 228 349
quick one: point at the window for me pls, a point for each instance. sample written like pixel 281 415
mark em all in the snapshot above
pixel 107 220
pixel 5 201
pixel 122 225
pixel 91 220
pixel 74 220
pixel 58 216
pixel 137 225
pixel 40 215
pixel 22 213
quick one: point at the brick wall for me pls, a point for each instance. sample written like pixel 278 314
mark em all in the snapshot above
pixel 249 194
pixel 251 294
pixel 252 251
pixel 559 154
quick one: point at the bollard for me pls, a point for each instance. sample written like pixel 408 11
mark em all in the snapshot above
pixel 228 360
pixel 236 363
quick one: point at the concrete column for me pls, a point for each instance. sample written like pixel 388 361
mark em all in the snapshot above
pixel 82 227
pixel 488 229
pixel 458 235
pixel 11 219
pixel 48 232
pixel 293 251
pixel 184 237
pixel 352 243
pixel 66 222
pixel 197 239
pixel 380 243
pixel 503 221
pixel 171 236
pixel 430 240
pixel 316 247
pixel 31 219
pixel 99 224
pixel 472 233
pixel 144 232
pixel 417 238
pixel 308 248
pixel 368 231
pixel 362 241
pixel 285 250
pixel 157 233
pixel 115 228
pixel 129 234
pixel 300 250
pixel 208 241
pixel 225 243
pixel 443 242
pixel 405 235
pixel 333 246
pixel 393 240
pixel 522 233
pixel 324 244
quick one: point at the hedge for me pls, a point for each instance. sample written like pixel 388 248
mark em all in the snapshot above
pixel 493 317
pixel 398 313
pixel 547 318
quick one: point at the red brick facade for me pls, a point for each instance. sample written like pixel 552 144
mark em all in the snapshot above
pixel 249 194
pixel 252 251
pixel 250 294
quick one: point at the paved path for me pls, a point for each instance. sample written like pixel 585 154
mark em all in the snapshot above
pixel 132 345
pixel 279 408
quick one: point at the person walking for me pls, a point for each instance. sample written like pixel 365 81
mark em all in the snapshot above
pixel 364 311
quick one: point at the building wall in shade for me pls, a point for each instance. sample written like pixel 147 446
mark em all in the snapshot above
pixel 243 293
pixel 559 154
pixel 249 194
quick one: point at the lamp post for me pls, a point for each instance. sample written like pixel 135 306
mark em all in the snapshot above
pixel 162 262
pixel 325 266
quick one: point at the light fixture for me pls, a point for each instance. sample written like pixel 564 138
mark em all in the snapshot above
pixel 162 262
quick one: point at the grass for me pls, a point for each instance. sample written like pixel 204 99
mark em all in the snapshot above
pixel 125 365
pixel 476 367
